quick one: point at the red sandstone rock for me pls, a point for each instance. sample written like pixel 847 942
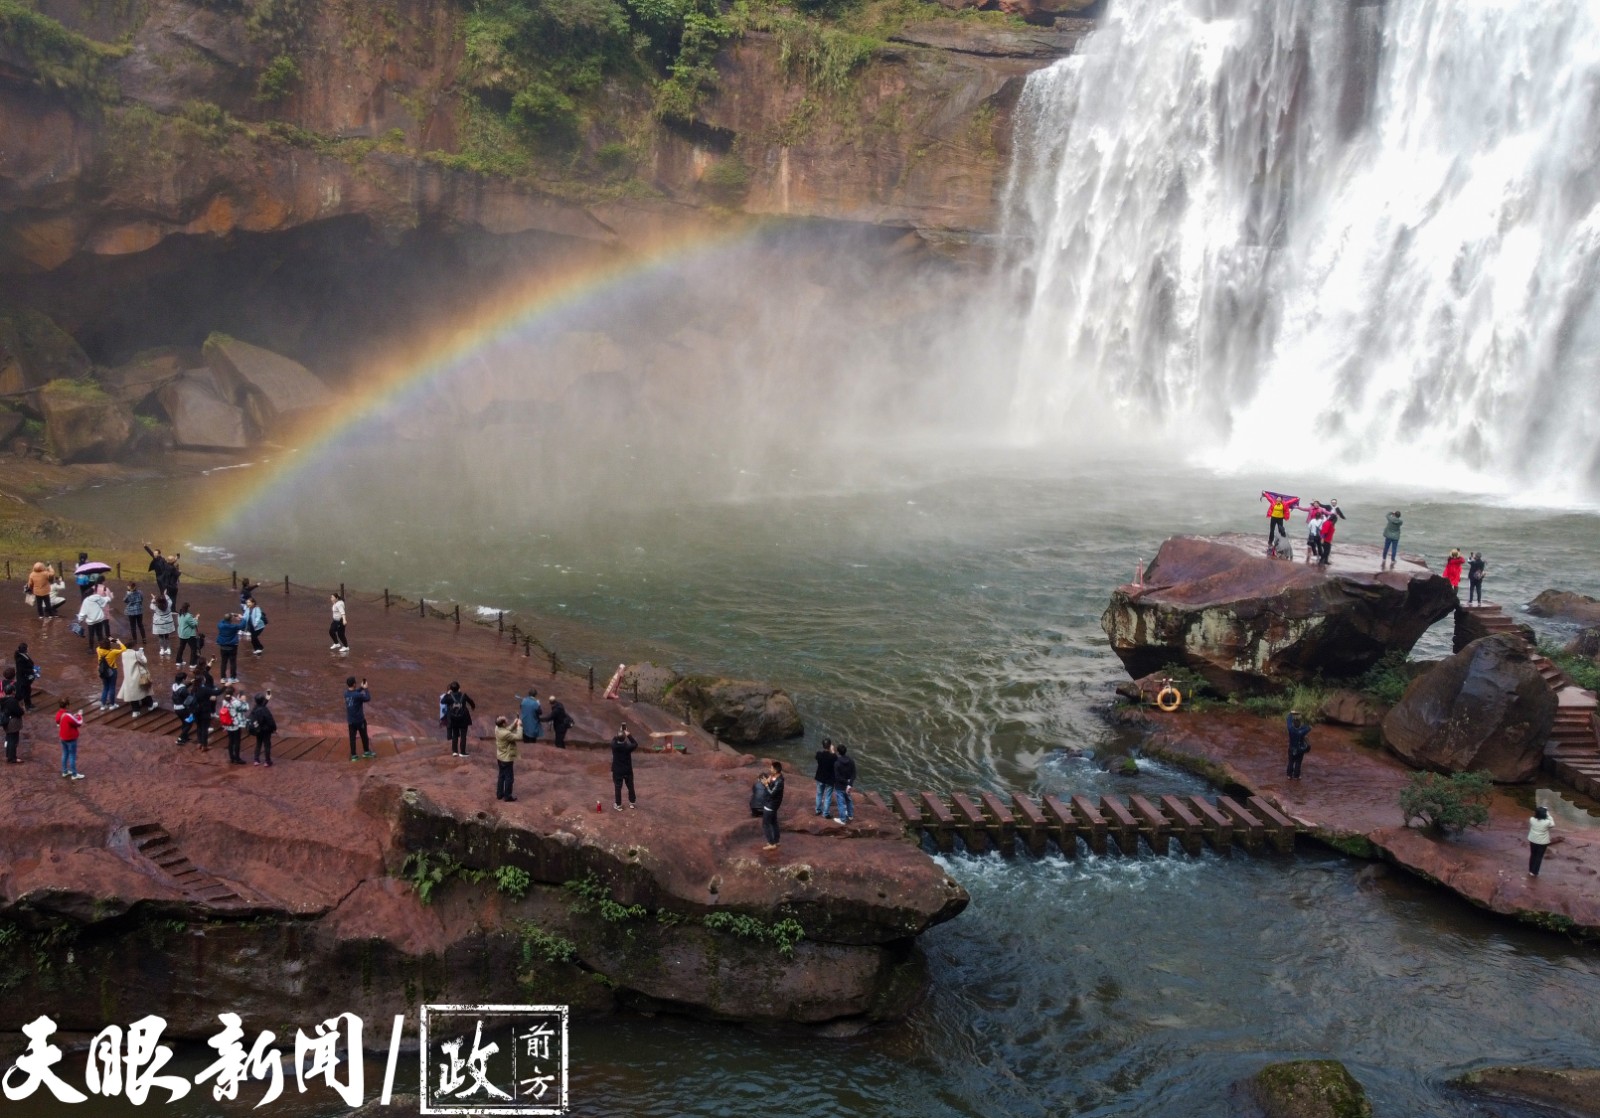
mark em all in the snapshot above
pixel 323 924
pixel 1351 708
pixel 1485 708
pixel 1248 624
pixel 1350 796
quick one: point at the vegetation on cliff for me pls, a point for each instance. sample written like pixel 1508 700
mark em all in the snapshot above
pixel 62 60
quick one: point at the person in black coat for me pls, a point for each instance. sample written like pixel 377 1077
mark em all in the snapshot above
pixel 824 777
pixel 205 692
pixel 770 796
pixel 25 673
pixel 622 747
pixel 263 726
pixel 844 779
pixel 560 721
pixel 11 712
pixel 1299 743
pixel 455 711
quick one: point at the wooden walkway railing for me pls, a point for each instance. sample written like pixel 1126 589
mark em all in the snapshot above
pixel 985 821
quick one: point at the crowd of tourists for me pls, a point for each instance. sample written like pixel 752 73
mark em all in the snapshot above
pixel 209 697
pixel 1322 519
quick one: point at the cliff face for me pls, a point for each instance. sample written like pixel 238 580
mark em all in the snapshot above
pixel 129 124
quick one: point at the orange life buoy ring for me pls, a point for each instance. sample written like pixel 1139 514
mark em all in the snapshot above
pixel 1169 698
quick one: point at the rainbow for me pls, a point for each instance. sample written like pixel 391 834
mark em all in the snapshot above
pixel 391 378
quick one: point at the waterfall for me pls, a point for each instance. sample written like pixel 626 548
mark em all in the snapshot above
pixel 1277 229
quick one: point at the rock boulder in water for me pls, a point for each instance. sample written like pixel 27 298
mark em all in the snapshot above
pixel 740 711
pixel 81 422
pixel 1485 708
pixel 1308 1089
pixel 1574 1091
pixel 274 390
pixel 1249 624
pixel 1563 605
pixel 201 418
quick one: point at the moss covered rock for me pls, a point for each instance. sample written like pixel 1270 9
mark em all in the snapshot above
pixel 1308 1089
pixel 81 422
pixel 35 351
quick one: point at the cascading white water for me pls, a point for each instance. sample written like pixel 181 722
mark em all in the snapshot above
pixel 1277 228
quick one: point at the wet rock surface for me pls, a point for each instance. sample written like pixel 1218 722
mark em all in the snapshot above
pixel 328 917
pixel 1247 623
pixel 1485 708
pixel 1571 1091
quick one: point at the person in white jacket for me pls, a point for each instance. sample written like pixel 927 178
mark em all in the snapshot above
pixel 135 680
pixel 1539 828
pixel 336 630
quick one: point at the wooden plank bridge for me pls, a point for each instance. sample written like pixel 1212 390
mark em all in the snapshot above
pixel 989 821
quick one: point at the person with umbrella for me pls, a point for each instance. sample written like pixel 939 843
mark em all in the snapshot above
pixel 89 574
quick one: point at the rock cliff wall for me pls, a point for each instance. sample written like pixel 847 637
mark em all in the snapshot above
pixel 130 124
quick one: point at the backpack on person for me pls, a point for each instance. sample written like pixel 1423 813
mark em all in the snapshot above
pixel 260 618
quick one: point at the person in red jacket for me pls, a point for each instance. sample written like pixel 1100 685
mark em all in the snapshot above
pixel 1327 538
pixel 69 724
pixel 1452 569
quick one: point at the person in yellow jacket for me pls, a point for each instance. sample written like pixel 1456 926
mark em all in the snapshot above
pixel 108 657
pixel 507 733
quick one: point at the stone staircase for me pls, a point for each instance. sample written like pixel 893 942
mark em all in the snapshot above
pixel 152 842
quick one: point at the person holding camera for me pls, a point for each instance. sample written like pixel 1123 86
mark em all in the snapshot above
pixel 355 716
pixel 622 747
pixel 507 732
pixel 1391 539
pixel 228 629
pixel 769 795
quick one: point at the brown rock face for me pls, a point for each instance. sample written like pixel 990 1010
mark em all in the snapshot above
pixel 82 423
pixel 201 419
pixel 273 389
pixel 35 351
pixel 1248 624
pixel 1563 605
pixel 137 380
pixel 1351 708
pixel 1485 708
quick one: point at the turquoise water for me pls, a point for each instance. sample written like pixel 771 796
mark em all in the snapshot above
pixel 947 627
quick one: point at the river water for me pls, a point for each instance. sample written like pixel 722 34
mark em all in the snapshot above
pixel 946 625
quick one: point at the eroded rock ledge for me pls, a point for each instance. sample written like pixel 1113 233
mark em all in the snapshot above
pixel 612 911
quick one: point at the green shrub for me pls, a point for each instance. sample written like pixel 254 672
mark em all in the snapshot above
pixel 428 873
pixel 62 60
pixel 783 934
pixel 538 943
pixel 1449 804
pixel 513 881
pixel 727 180
pixel 1582 670
pixel 1386 681
pixel 281 75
